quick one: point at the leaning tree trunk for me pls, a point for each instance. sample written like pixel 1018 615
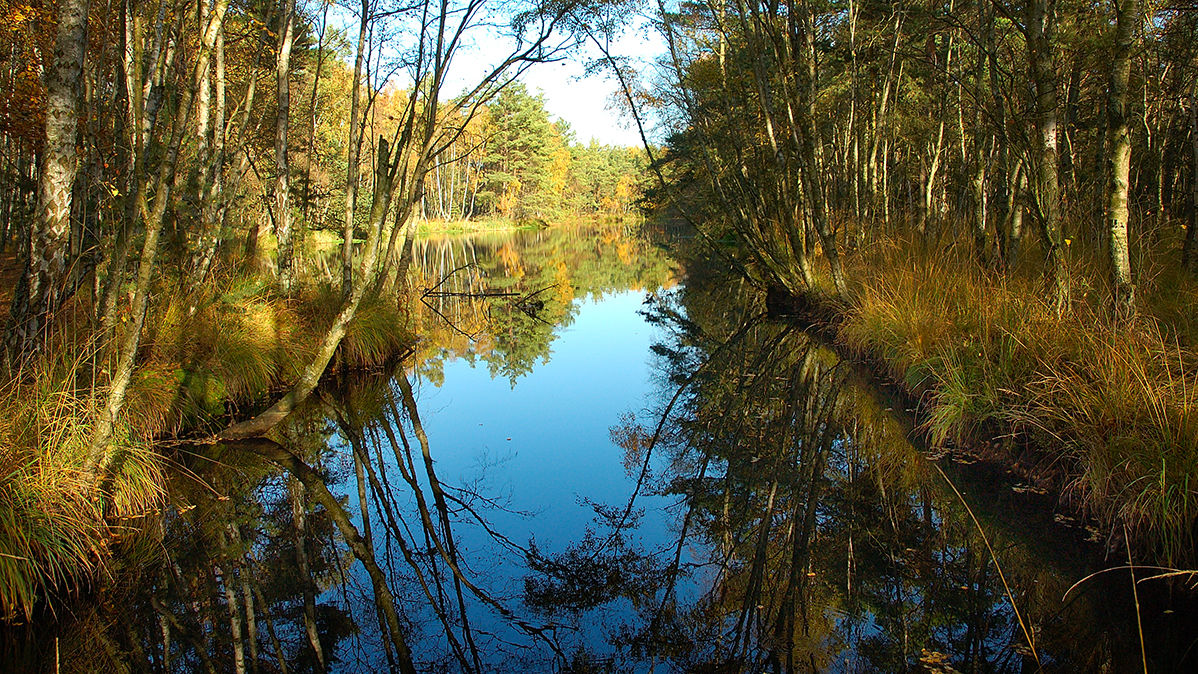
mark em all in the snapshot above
pixel 311 375
pixel 39 291
pixel 1118 138
pixel 282 165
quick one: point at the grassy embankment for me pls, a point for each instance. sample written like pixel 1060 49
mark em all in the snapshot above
pixel 495 224
pixel 1108 414
pixel 207 354
pixel 500 224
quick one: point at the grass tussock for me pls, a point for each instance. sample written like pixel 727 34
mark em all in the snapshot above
pixel 236 342
pixel 206 352
pixel 378 331
pixel 55 529
pixel 1114 408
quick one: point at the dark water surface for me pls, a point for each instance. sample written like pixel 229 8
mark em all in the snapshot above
pixel 597 461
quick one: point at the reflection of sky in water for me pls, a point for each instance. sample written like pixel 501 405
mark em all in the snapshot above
pixel 540 447
pixel 552 427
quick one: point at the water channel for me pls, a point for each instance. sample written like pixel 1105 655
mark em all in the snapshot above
pixel 598 459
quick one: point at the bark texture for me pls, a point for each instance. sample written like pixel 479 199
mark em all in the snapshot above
pixel 43 282
pixel 1127 13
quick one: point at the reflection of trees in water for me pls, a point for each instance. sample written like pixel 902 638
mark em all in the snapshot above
pixel 539 274
pixel 425 592
pixel 334 547
pixel 811 534
pixel 808 535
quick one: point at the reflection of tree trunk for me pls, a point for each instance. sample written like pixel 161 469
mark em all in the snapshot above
pixel 280 659
pixel 406 469
pixel 350 427
pixel 247 596
pixel 750 603
pixel 442 509
pixel 362 552
pixel 165 627
pixel 227 578
pixel 172 626
pixel 299 519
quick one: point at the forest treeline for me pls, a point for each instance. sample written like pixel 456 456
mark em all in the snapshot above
pixel 999 199
pixel 513 163
pixel 855 121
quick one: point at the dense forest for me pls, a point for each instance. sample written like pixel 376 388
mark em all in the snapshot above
pixel 208 206
pixel 998 202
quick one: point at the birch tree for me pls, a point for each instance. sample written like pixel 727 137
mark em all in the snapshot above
pixel 43 281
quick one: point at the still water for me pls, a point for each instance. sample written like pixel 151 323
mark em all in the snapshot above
pixel 599 460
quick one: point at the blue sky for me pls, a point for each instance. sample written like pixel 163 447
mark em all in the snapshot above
pixel 585 101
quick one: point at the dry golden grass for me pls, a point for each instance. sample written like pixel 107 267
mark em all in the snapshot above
pixel 1115 408
pixel 55 529
pixel 204 353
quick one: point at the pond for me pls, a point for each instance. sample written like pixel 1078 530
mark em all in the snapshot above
pixel 597 460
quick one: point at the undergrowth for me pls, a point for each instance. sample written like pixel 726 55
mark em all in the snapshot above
pixel 55 534
pixel 208 353
pixel 1113 408
pixel 228 346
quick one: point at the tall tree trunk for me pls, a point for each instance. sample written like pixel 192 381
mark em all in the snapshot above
pixel 1118 139
pixel 353 151
pixel 811 173
pixel 282 205
pixel 153 217
pixel 212 183
pixel 1189 250
pixel 132 77
pixel 313 114
pixel 204 94
pixel 978 184
pixel 38 294
pixel 880 117
pixel 1041 26
pixel 1003 177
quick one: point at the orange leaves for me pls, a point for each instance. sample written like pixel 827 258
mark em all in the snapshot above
pixel 26 32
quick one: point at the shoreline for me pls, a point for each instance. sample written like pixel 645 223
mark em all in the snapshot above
pixel 1009 446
